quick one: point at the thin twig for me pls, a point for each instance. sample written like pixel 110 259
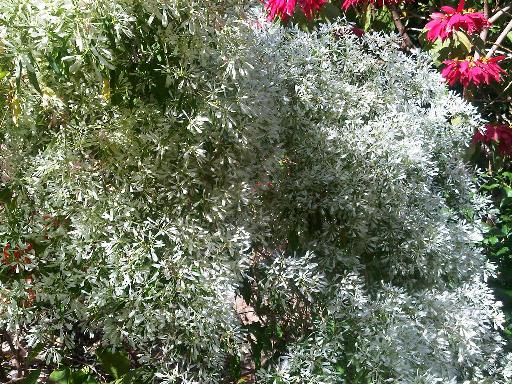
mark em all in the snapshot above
pixel 15 380
pixel 505 49
pixel 506 89
pixel 415 15
pixel 401 28
pixel 500 38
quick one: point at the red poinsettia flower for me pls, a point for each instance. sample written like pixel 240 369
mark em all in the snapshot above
pixel 497 133
pixel 473 71
pixel 286 8
pixel 444 24
pixel 379 3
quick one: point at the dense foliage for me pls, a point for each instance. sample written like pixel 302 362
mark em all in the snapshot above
pixel 471 45
pixel 166 163
pixel 120 163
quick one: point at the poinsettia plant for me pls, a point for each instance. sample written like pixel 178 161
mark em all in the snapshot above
pixel 469 40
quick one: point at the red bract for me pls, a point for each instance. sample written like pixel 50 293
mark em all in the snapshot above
pixel 311 7
pixel 473 71
pixel 357 31
pixel 380 3
pixel 285 8
pixel 444 24
pixel 498 133
pixel 7 256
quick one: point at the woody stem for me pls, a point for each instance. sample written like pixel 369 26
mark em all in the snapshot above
pixel 498 14
pixel 401 28
pixel 15 352
pixel 3 373
pixel 500 38
pixel 485 31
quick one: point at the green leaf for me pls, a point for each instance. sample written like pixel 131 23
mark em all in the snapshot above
pixel 18 75
pixel 463 39
pixel 128 378
pixel 66 376
pixel 340 369
pixel 32 78
pixel 506 201
pixel 508 175
pixel 115 363
pixel 61 377
pixel 502 251
pixel 83 376
pixel 488 187
pixel 33 353
pixel 384 20
pixel 31 378
pixel 439 50
pixel 330 11
pixel 54 65
pixel 279 331
pixel 478 43
pixel 491 240
pixel 5 195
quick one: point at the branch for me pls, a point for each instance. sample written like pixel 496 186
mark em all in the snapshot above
pixel 3 374
pixel 401 28
pixel 500 38
pixel 485 31
pixel 15 352
pixel 492 19
pixel 506 49
pixel 499 13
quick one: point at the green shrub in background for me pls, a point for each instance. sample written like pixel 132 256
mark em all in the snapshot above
pixel 166 163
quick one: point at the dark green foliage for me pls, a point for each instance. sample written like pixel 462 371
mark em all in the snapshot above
pixel 498 240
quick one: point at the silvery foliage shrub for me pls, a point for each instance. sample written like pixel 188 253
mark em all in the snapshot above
pixel 155 156
pixel 364 147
